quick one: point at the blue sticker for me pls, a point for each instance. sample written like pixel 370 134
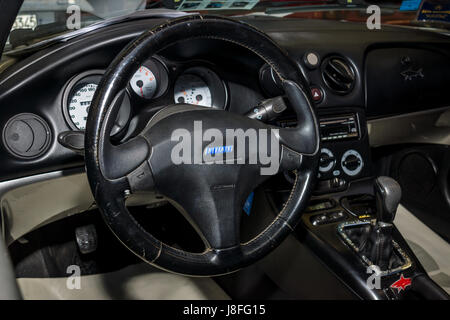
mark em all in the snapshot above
pixel 248 203
pixel 410 5
pixel 434 11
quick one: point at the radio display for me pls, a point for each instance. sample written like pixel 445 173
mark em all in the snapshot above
pixel 339 127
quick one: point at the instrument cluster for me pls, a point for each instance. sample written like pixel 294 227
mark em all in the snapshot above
pixel 153 84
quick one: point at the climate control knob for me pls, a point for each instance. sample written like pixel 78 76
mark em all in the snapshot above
pixel 352 162
pixel 326 160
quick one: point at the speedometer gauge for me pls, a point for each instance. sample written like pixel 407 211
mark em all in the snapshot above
pixel 190 88
pixel 144 83
pixel 79 104
pixel 77 98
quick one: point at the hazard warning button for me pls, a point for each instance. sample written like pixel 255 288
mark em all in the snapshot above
pixel 316 94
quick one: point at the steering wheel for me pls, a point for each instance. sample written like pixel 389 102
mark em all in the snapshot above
pixel 211 194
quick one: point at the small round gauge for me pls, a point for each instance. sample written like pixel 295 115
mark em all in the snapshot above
pixel 79 104
pixel 144 83
pixel 190 88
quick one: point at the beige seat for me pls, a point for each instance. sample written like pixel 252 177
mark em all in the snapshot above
pixel 432 251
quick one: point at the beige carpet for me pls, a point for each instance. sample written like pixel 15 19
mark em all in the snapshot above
pixel 140 281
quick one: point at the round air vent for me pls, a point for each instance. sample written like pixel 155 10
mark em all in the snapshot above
pixel 26 136
pixel 338 75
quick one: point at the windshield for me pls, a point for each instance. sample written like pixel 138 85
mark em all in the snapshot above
pixel 43 19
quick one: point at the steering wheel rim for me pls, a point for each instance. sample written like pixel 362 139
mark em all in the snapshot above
pixel 115 170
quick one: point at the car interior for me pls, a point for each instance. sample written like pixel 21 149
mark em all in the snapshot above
pixel 93 205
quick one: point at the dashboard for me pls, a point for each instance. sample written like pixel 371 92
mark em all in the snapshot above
pixel 49 91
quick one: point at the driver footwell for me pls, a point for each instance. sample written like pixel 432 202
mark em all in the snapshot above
pixel 44 262
pixel 140 281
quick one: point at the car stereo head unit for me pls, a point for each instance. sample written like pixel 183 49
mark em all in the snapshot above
pixel 339 127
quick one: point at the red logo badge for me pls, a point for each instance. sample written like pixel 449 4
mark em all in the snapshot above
pixel 401 283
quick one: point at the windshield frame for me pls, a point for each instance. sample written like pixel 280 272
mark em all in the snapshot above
pixel 270 8
pixel 65 36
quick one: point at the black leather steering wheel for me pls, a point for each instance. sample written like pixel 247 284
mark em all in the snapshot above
pixel 211 195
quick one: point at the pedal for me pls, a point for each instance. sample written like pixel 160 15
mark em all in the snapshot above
pixel 86 237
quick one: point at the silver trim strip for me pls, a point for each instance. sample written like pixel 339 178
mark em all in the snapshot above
pixel 430 126
pixel 364 259
pixel 8 185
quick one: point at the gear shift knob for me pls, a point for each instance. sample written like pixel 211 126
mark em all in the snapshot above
pixel 388 194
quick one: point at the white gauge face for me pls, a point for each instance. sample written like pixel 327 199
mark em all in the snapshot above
pixel 144 83
pixel 79 104
pixel 192 89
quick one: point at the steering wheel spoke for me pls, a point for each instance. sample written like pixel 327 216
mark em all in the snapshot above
pixel 124 160
pixel 304 137
pixel 216 216
pixel 141 178
pixel 290 160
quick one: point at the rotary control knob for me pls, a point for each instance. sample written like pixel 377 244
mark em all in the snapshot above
pixel 326 160
pixel 352 162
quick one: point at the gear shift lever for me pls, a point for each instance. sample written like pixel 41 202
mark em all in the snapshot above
pixel 379 249
pixel 375 240
pixel 388 194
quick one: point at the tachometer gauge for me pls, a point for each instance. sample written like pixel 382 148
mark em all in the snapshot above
pixel 190 88
pixel 79 104
pixel 144 83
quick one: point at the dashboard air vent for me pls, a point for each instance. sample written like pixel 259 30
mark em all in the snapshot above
pixel 338 75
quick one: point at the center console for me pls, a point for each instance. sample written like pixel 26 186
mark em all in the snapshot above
pixel 345 153
pixel 349 222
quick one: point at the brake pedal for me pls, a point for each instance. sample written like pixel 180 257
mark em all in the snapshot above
pixel 86 237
